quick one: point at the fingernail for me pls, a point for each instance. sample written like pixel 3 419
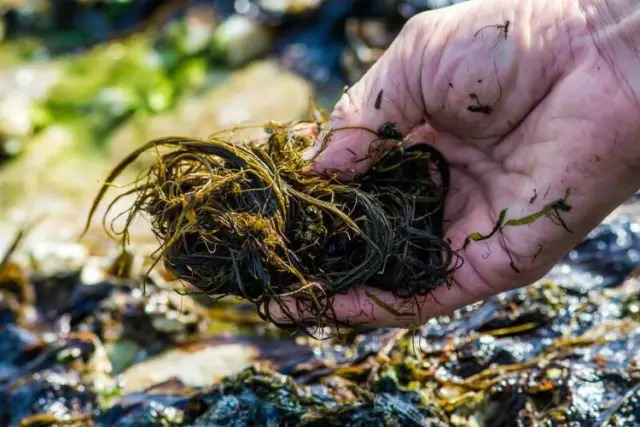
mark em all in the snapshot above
pixel 311 152
pixel 309 155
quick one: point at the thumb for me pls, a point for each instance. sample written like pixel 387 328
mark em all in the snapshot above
pixel 390 92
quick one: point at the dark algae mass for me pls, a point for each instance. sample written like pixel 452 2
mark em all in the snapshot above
pixel 243 219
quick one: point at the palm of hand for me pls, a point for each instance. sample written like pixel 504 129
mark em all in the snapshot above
pixel 522 116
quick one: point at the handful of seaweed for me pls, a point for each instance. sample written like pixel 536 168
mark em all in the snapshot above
pixel 244 220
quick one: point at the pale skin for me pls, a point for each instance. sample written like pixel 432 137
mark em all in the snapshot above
pixel 563 86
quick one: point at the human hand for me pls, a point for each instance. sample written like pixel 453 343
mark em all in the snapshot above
pixel 526 99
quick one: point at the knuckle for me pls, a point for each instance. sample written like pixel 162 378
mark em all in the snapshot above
pixel 414 25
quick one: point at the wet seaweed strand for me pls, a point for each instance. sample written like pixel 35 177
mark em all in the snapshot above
pixel 242 219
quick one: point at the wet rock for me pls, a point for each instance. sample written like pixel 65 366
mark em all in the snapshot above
pixel 240 39
pixel 313 46
pixel 15 344
pixel 81 302
pixel 58 258
pixel 52 382
pixel 578 393
pixel 607 255
pixel 258 396
pixel 121 313
pixel 48 398
pixel 200 367
pixel 478 355
pixel 370 33
pixel 203 363
pixel 175 407
pixel 367 41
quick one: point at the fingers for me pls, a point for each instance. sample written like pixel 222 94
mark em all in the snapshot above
pixel 389 92
pixel 363 305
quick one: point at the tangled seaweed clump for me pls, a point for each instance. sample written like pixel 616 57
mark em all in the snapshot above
pixel 243 219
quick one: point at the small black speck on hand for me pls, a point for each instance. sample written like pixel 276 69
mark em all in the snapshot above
pixel 482 109
pixel 389 130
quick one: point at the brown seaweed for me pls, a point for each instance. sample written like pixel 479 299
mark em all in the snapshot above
pixel 243 220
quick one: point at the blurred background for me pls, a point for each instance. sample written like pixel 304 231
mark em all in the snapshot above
pixel 82 341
